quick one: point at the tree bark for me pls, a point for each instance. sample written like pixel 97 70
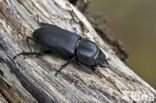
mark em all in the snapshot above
pixel 31 79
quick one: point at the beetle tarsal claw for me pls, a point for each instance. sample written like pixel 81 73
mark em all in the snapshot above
pixel 56 73
pixel 14 57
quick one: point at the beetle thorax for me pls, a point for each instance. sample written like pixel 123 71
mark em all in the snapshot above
pixel 87 51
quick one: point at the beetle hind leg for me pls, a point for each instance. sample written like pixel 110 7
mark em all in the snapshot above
pixel 32 53
pixel 43 24
pixel 40 23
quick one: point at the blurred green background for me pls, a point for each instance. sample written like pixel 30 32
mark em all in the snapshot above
pixel 134 23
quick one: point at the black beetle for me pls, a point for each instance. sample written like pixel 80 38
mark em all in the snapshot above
pixel 67 44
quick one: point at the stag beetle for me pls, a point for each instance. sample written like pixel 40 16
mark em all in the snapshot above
pixel 67 44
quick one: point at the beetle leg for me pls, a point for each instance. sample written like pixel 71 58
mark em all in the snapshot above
pixel 43 24
pixel 32 53
pixel 28 43
pixel 88 69
pixel 75 30
pixel 40 23
pixel 63 66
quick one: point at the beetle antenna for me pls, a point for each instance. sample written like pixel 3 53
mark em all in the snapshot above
pixel 63 66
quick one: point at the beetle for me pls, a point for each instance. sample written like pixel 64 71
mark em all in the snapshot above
pixel 68 44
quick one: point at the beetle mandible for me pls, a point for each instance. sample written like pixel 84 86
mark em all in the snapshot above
pixel 67 44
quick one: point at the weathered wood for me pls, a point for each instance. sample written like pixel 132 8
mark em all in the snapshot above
pixel 2 99
pixel 32 79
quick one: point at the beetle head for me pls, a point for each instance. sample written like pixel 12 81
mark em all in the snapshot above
pixel 101 60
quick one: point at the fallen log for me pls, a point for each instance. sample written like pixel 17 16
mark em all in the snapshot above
pixel 31 79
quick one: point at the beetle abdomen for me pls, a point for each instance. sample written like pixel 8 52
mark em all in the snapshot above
pixel 57 39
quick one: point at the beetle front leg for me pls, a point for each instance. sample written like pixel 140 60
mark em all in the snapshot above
pixel 86 68
pixel 32 53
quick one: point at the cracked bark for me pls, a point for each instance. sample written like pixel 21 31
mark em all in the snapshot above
pixel 32 79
